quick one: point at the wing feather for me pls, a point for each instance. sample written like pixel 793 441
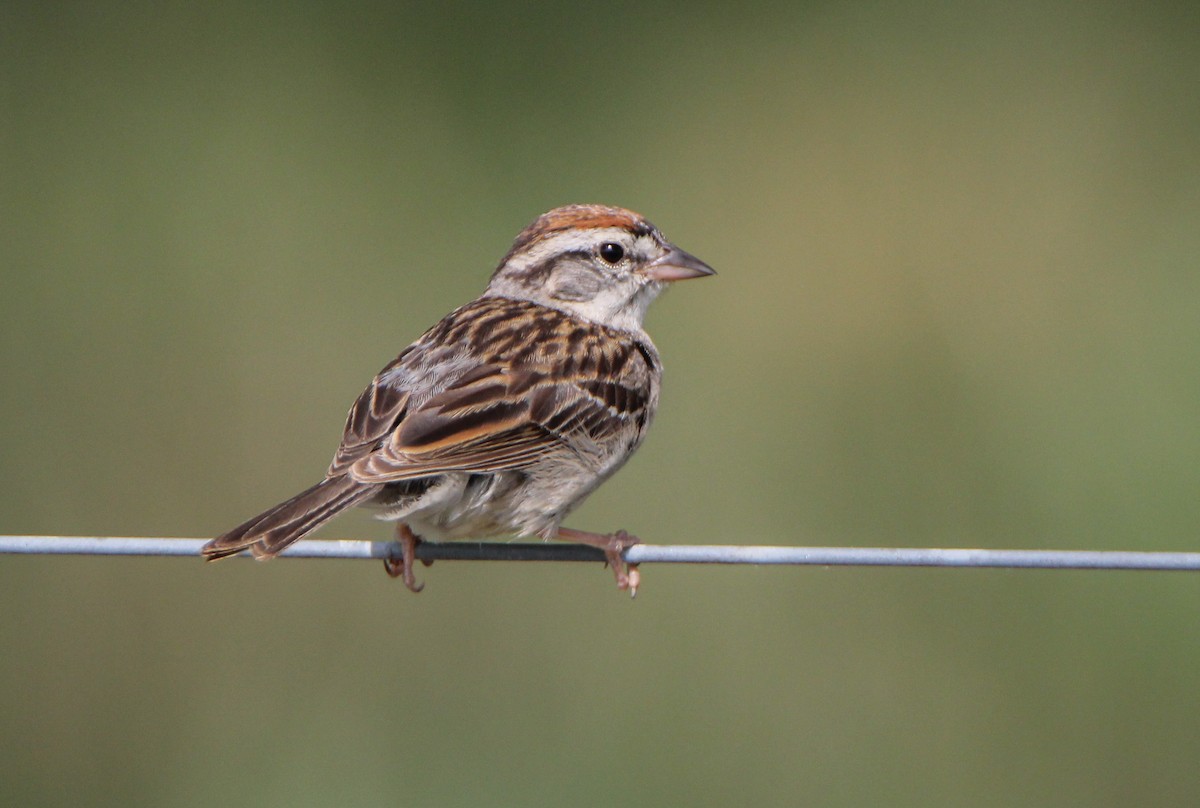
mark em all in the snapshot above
pixel 557 386
pixel 372 417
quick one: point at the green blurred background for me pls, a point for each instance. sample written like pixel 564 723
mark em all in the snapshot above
pixel 957 307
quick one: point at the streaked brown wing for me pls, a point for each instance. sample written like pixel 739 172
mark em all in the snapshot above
pixel 484 422
pixel 372 416
pixel 502 418
pixel 541 382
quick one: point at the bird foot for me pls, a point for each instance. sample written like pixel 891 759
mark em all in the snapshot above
pixel 402 568
pixel 614 546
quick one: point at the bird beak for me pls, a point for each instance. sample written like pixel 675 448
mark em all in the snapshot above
pixel 676 265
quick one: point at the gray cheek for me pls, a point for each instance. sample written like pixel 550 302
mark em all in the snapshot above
pixel 577 285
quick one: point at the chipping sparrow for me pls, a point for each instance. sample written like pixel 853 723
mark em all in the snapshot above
pixel 506 414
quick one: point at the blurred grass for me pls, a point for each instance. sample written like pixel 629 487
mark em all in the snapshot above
pixel 957 306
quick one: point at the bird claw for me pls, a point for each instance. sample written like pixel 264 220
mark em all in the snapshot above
pixel 402 567
pixel 627 575
pixel 613 545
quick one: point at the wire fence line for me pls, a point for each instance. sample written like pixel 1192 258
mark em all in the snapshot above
pixel 638 554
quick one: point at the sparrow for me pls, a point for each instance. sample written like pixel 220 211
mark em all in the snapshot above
pixel 505 415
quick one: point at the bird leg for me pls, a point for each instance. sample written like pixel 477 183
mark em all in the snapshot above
pixel 613 545
pixel 403 568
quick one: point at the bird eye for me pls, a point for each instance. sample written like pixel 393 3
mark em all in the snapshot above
pixel 612 252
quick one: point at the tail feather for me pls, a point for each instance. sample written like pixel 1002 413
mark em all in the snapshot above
pixel 271 531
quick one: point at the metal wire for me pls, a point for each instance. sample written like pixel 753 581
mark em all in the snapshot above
pixel 639 554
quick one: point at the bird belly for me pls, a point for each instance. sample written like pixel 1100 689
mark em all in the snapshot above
pixel 520 502
pixel 457 506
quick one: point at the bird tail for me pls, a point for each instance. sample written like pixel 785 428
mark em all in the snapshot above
pixel 274 529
